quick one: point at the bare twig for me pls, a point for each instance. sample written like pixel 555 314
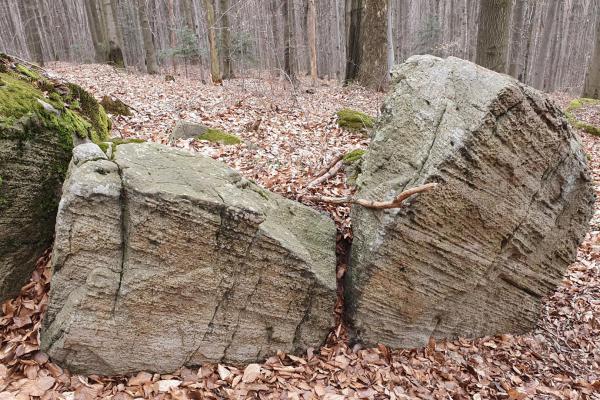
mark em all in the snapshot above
pixel 396 202
pixel 331 164
pixel 328 173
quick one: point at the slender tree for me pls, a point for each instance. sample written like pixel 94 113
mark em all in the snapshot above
pixel 215 72
pixel 516 38
pixel 494 34
pixel 32 32
pixel 226 40
pixel 353 26
pixel 289 39
pixel 311 22
pixel 151 62
pixel 97 30
pixel 172 30
pixel 591 88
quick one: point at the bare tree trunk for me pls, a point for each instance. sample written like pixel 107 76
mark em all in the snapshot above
pixel 373 67
pixel 274 12
pixel 97 32
pixel 540 63
pixel 353 37
pixel 289 40
pixel 215 72
pixel 226 41
pixel 494 34
pixel 32 33
pixel 591 88
pixel 390 37
pixel 311 22
pixel 172 30
pixel 151 63
pixel 515 38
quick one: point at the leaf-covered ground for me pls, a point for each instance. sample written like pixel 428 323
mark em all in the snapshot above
pixel 296 137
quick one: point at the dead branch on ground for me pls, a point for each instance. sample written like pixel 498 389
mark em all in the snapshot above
pixel 396 202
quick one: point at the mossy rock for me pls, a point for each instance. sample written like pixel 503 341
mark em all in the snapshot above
pixel 37 134
pixel 28 72
pixel 115 106
pixel 354 120
pixel 577 123
pixel 353 156
pixel 218 136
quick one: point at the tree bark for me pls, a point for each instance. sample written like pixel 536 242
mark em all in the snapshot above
pixel 215 72
pixel 97 31
pixel 32 33
pixel 311 22
pixel 592 79
pixel 150 51
pixel 494 34
pixel 540 63
pixel 289 39
pixel 515 38
pixel 226 41
pixel 172 31
pixel 373 66
pixel 353 37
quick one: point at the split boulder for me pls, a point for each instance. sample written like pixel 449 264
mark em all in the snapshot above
pixel 164 259
pixel 476 255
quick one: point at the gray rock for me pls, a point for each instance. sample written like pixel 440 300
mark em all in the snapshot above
pixel 187 130
pixel 164 259
pixel 87 152
pixel 476 255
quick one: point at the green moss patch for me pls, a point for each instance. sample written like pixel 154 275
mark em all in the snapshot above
pixel 118 141
pixel 354 120
pixel 91 110
pixel 28 73
pixel 353 156
pixel 575 122
pixel 219 136
pixel 115 106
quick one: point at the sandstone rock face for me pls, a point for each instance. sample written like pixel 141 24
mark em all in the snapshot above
pixel 476 255
pixel 37 134
pixel 164 259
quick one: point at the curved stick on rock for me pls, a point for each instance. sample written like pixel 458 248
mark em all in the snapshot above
pixel 396 202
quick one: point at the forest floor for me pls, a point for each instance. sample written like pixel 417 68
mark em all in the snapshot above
pixel 296 137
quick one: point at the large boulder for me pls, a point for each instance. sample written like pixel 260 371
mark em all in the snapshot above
pixel 40 120
pixel 476 255
pixel 164 259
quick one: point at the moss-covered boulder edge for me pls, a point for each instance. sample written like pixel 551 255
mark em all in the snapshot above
pixel 41 119
pixel 215 135
pixel 354 120
pixel 577 123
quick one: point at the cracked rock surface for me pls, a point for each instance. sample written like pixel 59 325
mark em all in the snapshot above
pixel 164 259
pixel 476 255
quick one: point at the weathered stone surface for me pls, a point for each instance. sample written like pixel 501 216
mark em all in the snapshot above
pixel 164 259
pixel 37 133
pixel 476 255
pixel 187 130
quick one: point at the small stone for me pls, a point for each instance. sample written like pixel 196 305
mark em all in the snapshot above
pixel 48 107
pixel 187 130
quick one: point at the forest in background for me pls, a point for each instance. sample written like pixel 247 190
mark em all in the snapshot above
pixel 550 46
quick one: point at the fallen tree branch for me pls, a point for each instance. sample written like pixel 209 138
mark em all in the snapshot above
pixel 328 173
pixel 328 167
pixel 396 202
